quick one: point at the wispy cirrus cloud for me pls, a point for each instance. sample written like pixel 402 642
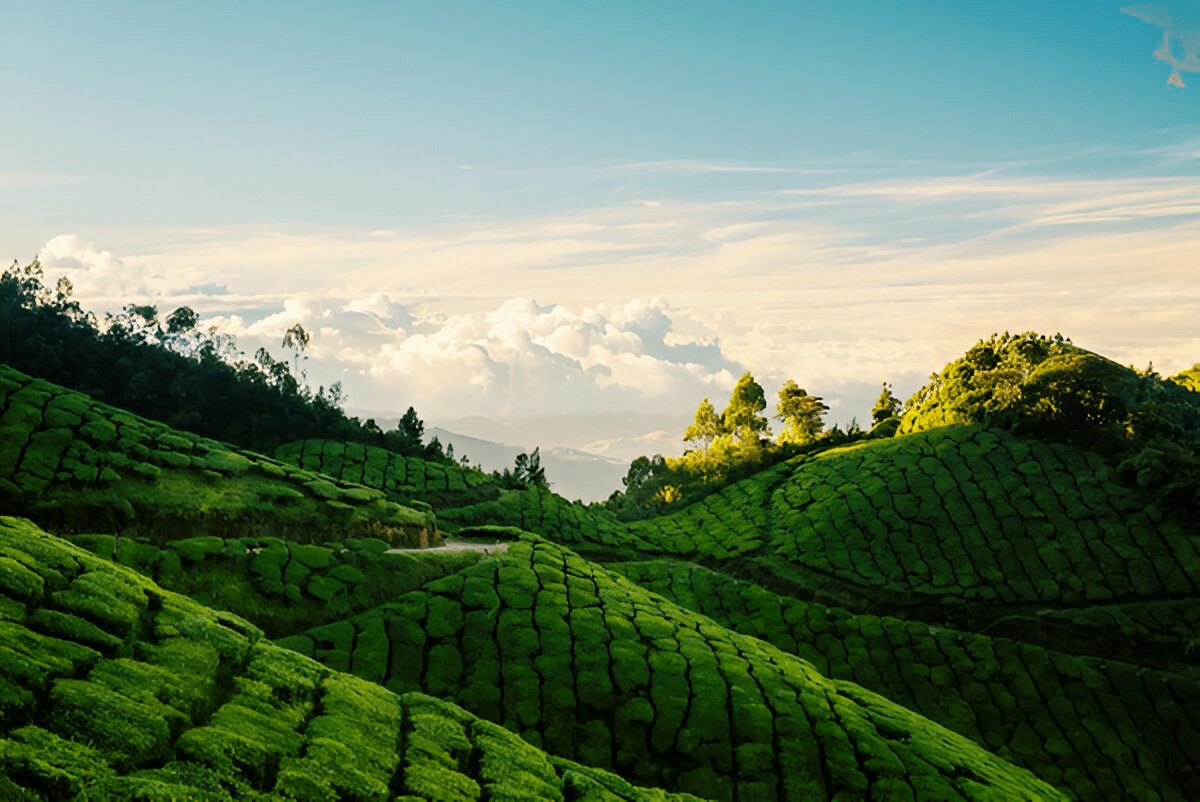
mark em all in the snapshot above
pixel 1180 48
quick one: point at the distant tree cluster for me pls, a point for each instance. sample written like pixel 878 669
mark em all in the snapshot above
pixel 728 445
pixel 169 368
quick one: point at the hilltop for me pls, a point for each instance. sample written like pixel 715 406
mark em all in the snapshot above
pixel 990 595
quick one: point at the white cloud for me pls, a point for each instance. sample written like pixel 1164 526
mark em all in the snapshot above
pixel 108 281
pixel 839 285
pixel 517 359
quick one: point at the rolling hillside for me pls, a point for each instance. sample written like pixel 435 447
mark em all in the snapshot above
pixel 1099 728
pixel 111 688
pixel 593 668
pixel 978 608
pixel 73 464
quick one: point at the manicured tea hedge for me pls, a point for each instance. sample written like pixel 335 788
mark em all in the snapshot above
pixel 441 484
pixel 112 688
pixel 73 464
pixel 282 587
pixel 983 516
pixel 958 512
pixel 539 510
pixel 588 665
pixel 1098 728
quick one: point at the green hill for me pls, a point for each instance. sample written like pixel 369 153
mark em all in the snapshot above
pixel 997 603
pixel 1098 728
pixel 73 464
pixel 595 669
pixel 111 688
pixel 281 586
pixel 958 525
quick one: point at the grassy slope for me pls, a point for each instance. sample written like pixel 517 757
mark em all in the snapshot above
pixel 113 688
pixel 598 670
pixel 74 464
pixel 1098 728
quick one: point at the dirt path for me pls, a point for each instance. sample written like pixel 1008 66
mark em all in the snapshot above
pixel 458 545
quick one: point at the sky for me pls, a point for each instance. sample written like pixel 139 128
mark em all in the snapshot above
pixel 532 210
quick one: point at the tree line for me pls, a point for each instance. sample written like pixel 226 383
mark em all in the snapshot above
pixel 728 445
pixel 169 368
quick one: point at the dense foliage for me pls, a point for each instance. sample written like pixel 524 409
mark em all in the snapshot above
pixel 1050 389
pixel 170 369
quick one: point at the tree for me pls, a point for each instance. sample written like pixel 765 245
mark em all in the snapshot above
pixel 409 437
pixel 182 320
pixel 888 406
pixel 800 413
pixel 535 474
pixel 296 339
pixel 743 417
pixel 705 428
pixel 527 469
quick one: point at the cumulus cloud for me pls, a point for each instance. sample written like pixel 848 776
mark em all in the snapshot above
pixel 106 281
pixel 1180 48
pixel 837 284
pixel 519 358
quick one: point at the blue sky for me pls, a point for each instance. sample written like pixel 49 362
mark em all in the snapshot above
pixel 616 205
pixel 361 114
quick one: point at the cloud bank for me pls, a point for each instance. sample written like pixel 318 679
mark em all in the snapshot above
pixel 648 302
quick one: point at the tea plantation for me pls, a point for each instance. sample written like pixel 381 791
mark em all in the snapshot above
pixel 441 484
pixel 73 464
pixel 1101 729
pixel 281 586
pixel 975 609
pixel 112 688
pixel 597 670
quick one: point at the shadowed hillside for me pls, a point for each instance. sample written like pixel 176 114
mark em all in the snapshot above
pixel 1102 729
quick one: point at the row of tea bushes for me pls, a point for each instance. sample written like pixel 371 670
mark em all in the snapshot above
pixel 981 515
pixel 112 688
pixel 539 510
pixel 441 484
pixel 74 464
pixel 1098 728
pixel 280 586
pixel 591 667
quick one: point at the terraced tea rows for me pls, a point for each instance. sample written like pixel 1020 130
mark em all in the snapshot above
pixel 401 478
pixel 961 525
pixel 600 671
pixel 280 587
pixel 111 688
pixel 74 464
pixel 539 510
pixel 1100 729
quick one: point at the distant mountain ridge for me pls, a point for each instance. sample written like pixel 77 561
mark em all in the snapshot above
pixel 574 473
